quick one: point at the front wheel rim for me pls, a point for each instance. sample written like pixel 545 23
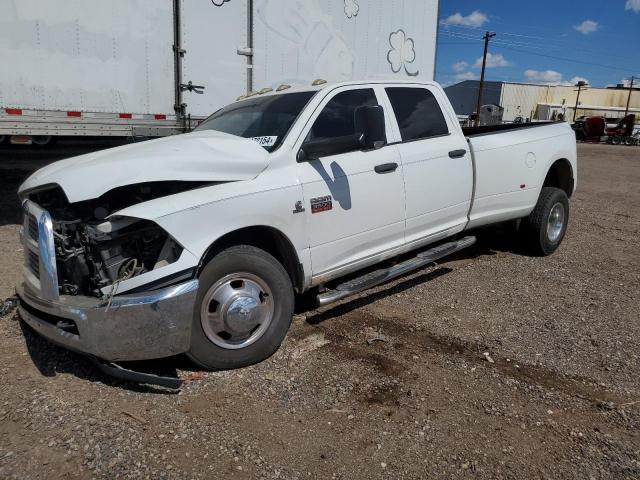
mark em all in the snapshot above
pixel 237 310
pixel 555 222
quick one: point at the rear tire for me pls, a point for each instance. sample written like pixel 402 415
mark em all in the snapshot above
pixel 243 309
pixel 543 230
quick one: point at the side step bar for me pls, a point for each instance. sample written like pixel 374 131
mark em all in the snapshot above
pixel 380 276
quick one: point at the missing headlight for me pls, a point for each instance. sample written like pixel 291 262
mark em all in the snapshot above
pixel 93 256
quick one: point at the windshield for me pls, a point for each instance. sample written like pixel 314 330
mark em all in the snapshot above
pixel 266 120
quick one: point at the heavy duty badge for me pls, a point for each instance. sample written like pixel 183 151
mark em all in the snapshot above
pixel 299 208
pixel 321 204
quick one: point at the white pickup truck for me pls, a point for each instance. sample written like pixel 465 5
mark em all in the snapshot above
pixel 198 243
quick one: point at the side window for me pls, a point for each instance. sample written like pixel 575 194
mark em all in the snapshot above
pixel 418 113
pixel 337 117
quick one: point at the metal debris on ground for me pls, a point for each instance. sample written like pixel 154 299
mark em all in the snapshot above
pixel 376 336
pixel 6 306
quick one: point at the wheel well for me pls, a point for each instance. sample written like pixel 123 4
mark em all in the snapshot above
pixel 560 175
pixel 265 238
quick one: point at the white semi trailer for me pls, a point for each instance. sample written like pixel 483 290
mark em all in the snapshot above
pixel 151 68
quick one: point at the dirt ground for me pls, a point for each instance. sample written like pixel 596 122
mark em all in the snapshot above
pixel 492 365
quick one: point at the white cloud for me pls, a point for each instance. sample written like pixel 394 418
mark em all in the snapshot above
pixel 474 19
pixel 551 77
pixel 493 61
pixel 546 76
pixel 460 66
pixel 633 5
pixel 575 80
pixel 461 77
pixel 587 27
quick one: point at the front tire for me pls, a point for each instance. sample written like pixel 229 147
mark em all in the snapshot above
pixel 243 309
pixel 544 229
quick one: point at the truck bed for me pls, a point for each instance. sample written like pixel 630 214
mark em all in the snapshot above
pixel 511 167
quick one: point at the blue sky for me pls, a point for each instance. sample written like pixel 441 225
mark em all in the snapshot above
pixel 540 41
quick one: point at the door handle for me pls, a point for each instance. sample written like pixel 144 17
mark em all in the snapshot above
pixel 386 167
pixel 457 153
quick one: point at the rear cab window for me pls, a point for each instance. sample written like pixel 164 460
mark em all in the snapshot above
pixel 417 112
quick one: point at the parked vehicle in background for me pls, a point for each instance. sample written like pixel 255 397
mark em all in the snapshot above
pixel 623 132
pixel 590 129
pixel 198 243
pixel 150 68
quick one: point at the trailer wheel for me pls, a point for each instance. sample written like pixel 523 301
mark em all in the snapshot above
pixel 543 230
pixel 628 141
pixel 616 140
pixel 243 309
pixel 42 140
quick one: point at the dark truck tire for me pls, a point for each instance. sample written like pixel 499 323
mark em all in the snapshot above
pixel 543 230
pixel 243 309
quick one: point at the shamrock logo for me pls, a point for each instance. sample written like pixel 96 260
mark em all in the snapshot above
pixel 219 3
pixel 351 8
pixel 401 53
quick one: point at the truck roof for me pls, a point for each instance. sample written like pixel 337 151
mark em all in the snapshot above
pixel 332 85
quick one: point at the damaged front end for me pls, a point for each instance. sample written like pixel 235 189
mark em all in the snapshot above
pixel 77 255
pixel 92 257
pixel 95 249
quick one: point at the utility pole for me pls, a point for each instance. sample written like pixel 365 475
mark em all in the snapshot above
pixel 487 36
pixel 580 85
pixel 626 110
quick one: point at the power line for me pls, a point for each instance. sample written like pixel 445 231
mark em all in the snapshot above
pixel 540 46
pixel 478 29
pixel 611 67
pixel 510 45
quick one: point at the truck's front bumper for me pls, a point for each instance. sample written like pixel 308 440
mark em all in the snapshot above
pixel 140 326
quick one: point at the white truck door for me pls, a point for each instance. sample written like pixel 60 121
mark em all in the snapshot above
pixel 353 211
pixel 438 172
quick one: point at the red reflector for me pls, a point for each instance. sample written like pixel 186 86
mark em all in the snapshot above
pixel 13 111
pixel 126 115
pixel 74 114
pixel 160 116
pixel 522 186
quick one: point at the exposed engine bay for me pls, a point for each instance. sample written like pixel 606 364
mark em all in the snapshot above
pixel 92 251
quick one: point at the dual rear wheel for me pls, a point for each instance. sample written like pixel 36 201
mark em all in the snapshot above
pixel 544 229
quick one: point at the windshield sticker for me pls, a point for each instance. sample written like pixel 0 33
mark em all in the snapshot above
pixel 265 141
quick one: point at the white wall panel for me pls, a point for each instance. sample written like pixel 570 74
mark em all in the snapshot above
pixel 89 55
pixel 297 41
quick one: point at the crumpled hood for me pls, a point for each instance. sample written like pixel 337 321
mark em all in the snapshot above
pixel 199 156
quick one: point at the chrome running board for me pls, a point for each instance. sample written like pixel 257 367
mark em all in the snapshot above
pixel 377 277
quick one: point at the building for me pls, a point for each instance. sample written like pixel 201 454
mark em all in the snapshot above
pixel 543 102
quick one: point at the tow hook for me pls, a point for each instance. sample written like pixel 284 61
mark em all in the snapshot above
pixel 118 371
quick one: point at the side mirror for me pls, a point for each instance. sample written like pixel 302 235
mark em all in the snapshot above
pixel 370 121
pixel 325 147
